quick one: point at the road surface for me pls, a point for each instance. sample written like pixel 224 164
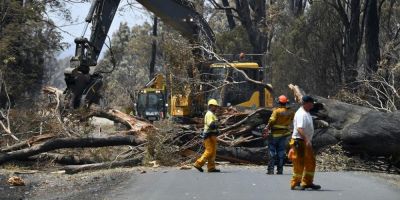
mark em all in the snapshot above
pixel 248 183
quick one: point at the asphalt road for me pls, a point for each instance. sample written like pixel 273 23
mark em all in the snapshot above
pixel 247 183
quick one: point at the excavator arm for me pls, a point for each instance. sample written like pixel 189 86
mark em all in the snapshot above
pixel 179 14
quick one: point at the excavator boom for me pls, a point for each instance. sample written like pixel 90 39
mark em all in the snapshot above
pixel 179 14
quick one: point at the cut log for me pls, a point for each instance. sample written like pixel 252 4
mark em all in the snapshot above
pixel 72 169
pixel 250 155
pixel 376 133
pixel 61 143
pixel 339 116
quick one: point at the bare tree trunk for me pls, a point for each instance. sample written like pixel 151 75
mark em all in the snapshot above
pixel 352 42
pixel 256 26
pixel 153 49
pixel 229 15
pixel 372 37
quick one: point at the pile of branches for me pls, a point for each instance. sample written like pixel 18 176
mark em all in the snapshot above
pixel 42 145
pixel 240 139
pixel 144 140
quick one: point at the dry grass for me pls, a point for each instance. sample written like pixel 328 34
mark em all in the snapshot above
pixel 334 158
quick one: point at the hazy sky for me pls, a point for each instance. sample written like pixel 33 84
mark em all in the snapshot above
pixel 79 12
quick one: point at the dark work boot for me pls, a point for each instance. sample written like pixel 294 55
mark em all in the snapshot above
pixel 270 172
pixel 312 187
pixel 214 170
pixel 280 170
pixel 198 168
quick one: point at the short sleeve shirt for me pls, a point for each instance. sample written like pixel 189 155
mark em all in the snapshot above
pixel 303 119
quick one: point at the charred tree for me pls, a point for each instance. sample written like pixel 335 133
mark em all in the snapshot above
pixel 252 15
pixel 229 14
pixel 297 7
pixel 353 20
pixel 153 49
pixel 372 37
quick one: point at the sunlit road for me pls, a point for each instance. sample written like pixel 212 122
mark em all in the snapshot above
pixel 238 182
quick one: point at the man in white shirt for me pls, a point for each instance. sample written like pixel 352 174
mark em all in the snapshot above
pixel 303 155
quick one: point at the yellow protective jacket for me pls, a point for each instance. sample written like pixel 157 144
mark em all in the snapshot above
pixel 210 118
pixel 280 121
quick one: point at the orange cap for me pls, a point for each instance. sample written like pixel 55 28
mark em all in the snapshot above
pixel 283 99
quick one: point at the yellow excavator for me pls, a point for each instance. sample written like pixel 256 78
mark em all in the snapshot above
pixel 154 102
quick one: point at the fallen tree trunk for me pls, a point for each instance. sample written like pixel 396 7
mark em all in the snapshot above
pixel 61 143
pixel 134 125
pixel 72 169
pixel 376 133
pixel 27 143
pixel 257 155
pixel 63 159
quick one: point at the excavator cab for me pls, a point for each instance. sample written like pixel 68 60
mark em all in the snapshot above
pixel 151 104
pixel 151 101
pixel 242 93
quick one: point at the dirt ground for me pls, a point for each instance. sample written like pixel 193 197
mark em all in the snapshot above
pixel 46 185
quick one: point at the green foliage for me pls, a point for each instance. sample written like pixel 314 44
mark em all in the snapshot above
pixel 27 39
pixel 305 51
pixel 233 42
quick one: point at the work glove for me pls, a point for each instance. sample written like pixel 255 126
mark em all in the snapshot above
pixel 213 125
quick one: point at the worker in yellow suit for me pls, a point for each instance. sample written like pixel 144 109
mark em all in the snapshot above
pixel 279 122
pixel 209 135
pixel 301 152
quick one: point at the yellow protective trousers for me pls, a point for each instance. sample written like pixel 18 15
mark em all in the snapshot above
pixel 303 160
pixel 210 144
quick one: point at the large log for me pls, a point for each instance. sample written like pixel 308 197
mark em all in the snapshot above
pixel 72 169
pixel 258 155
pixel 33 140
pixel 61 143
pixel 376 133
pixel 339 116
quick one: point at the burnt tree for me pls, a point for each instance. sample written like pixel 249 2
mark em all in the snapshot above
pixel 229 14
pixel 372 37
pixel 153 49
pixel 252 15
pixel 350 15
